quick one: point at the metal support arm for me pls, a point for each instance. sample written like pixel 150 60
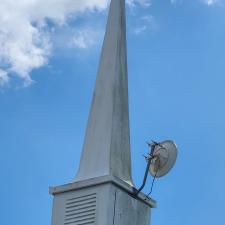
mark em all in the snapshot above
pixel 145 177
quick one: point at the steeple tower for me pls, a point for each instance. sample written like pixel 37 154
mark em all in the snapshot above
pixel 103 192
pixel 106 148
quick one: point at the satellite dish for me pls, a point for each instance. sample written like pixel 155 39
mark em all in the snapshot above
pixel 164 156
pixel 160 161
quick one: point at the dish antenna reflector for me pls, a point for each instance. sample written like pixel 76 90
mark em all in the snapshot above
pixel 161 160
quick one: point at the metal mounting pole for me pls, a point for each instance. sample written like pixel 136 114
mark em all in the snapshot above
pixel 151 156
pixel 145 177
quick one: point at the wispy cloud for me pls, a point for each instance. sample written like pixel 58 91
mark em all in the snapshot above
pixel 143 3
pixel 26 32
pixel 85 38
pixel 176 1
pixel 210 2
pixel 206 2
pixel 4 78
pixel 144 24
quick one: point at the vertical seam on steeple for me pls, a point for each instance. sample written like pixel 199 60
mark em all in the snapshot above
pixel 114 209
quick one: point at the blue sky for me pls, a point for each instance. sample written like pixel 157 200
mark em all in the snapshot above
pixel 176 58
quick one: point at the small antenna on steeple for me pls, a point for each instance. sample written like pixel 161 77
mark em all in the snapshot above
pixel 161 160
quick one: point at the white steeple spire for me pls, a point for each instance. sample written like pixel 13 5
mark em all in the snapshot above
pixel 106 149
pixel 103 191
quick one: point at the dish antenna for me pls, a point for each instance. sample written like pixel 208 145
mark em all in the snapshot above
pixel 161 160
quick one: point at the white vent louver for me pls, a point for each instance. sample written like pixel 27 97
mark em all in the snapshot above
pixel 81 210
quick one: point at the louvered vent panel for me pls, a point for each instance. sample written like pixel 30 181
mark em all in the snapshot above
pixel 81 210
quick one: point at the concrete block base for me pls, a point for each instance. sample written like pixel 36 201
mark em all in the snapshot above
pixel 99 201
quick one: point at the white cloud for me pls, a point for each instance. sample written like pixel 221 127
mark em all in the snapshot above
pixel 25 42
pixel 25 31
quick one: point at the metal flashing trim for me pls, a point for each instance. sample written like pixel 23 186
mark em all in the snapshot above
pixel 100 181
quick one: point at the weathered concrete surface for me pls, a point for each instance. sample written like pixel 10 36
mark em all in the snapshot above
pixel 100 181
pixel 106 149
pixel 100 201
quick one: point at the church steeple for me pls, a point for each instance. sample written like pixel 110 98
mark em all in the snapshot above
pixel 106 149
pixel 103 191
